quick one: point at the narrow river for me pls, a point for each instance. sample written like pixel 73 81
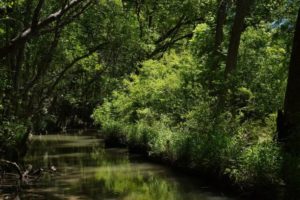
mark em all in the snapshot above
pixel 86 170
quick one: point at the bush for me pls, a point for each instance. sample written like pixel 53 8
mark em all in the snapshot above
pixel 166 111
pixel 12 139
pixel 259 164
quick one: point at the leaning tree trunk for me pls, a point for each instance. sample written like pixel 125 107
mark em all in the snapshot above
pixel 242 11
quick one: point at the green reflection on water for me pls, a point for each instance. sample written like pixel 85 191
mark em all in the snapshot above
pixel 88 171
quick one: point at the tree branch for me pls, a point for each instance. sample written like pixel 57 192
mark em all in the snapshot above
pixel 164 47
pixel 33 30
pixel 15 166
pixel 171 31
pixel 36 13
pixel 70 65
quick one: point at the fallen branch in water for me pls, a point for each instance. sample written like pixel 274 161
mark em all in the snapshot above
pixel 15 166
pixel 28 176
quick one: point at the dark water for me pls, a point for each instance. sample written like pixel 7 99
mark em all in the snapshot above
pixel 85 170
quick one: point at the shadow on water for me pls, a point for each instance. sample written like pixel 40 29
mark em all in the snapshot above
pixel 85 170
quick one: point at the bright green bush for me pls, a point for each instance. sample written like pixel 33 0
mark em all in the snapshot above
pixel 166 111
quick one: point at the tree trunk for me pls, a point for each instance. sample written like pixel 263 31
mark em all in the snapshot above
pixel 289 134
pixel 219 34
pixel 292 96
pixel 242 10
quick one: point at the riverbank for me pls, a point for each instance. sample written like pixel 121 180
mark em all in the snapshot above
pixel 211 176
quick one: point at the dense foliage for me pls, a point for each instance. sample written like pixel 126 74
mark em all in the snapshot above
pixel 200 84
pixel 167 111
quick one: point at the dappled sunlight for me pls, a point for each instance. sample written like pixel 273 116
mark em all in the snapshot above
pixel 88 171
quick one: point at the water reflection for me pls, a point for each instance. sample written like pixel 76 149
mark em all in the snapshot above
pixel 88 171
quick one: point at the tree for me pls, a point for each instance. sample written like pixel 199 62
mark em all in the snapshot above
pixel 38 27
pixel 292 96
pixel 219 33
pixel 42 30
pixel 289 121
pixel 242 10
